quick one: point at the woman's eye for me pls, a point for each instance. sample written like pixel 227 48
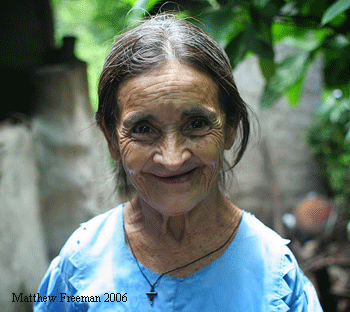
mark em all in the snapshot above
pixel 198 125
pixel 143 129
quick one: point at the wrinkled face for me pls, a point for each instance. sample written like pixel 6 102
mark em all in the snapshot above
pixel 171 137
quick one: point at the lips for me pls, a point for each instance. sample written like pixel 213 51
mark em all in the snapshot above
pixel 179 178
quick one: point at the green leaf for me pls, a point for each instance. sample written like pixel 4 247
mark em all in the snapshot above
pixel 339 20
pixel 236 50
pixel 337 178
pixel 260 3
pixel 281 31
pixel 335 9
pixel 288 72
pixel 269 96
pixel 314 8
pixel 337 67
pixel 222 24
pixel 267 67
pixel 132 2
pixel 270 9
pixel 293 94
pixel 305 38
pixel 262 48
pixel 109 19
pixel 344 159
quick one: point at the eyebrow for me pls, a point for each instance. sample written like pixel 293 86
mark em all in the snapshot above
pixel 196 111
pixel 136 118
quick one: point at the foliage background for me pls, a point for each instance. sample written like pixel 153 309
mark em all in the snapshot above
pixel 313 27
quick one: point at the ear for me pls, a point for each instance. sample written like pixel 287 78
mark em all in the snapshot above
pixel 230 136
pixel 113 145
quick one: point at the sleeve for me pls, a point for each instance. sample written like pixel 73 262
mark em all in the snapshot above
pixel 50 289
pixel 55 286
pixel 301 295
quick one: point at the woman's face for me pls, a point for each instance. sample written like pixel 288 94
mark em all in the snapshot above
pixel 171 137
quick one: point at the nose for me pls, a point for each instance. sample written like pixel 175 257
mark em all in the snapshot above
pixel 172 153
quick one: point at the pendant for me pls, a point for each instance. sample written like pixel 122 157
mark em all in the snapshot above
pixel 151 295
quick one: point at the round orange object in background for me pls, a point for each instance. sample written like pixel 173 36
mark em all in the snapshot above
pixel 313 213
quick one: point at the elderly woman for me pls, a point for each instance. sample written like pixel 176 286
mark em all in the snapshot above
pixel 169 108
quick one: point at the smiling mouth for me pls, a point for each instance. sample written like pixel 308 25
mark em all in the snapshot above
pixel 181 178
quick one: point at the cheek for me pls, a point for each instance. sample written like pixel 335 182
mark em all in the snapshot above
pixel 133 155
pixel 211 149
pixel 134 159
pixel 211 155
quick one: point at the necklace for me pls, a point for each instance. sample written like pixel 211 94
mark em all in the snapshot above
pixel 152 293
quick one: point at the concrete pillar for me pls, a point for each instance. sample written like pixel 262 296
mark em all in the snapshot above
pixel 23 260
pixel 69 154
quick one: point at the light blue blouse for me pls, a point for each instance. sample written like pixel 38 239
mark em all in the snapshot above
pixel 95 271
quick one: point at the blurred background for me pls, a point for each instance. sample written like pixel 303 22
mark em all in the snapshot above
pixel 291 62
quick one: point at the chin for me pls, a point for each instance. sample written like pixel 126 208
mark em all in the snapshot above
pixel 175 205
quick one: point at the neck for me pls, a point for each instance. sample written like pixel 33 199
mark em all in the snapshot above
pixel 209 215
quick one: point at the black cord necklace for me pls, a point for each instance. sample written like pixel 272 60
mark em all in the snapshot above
pixel 152 293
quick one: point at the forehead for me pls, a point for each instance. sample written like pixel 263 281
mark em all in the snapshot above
pixel 174 85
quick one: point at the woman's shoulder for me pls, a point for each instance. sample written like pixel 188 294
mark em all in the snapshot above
pixel 275 261
pixel 94 231
pixel 267 250
pixel 263 247
pixel 81 253
pixel 253 229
